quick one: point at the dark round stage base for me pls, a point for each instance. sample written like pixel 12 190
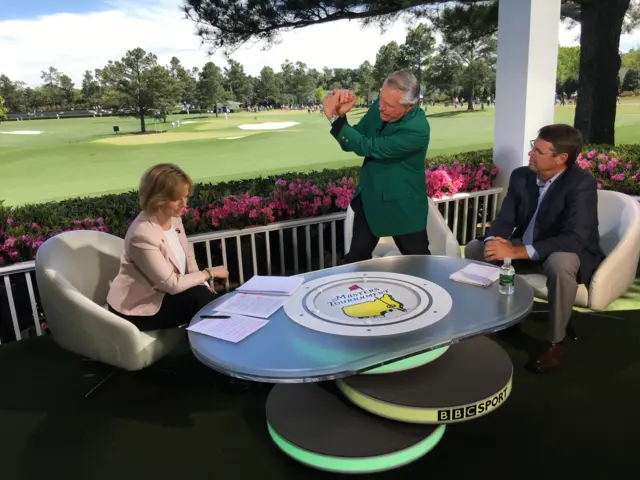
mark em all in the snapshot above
pixel 470 380
pixel 315 425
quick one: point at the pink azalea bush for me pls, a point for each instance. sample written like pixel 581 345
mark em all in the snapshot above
pixel 612 170
pixel 286 200
pixel 20 241
pixel 447 180
pixel 222 206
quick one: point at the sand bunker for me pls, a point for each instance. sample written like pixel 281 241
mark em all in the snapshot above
pixel 231 138
pixel 152 139
pixel 268 125
pixel 188 122
pixel 22 132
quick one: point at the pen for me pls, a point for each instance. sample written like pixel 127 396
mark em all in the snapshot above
pixel 215 316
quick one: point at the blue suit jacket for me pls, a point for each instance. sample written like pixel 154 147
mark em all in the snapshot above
pixel 566 222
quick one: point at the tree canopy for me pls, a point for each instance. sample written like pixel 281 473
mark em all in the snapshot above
pixel 631 81
pixel 631 59
pixel 139 87
pixel 462 65
pixel 3 109
pixel 229 24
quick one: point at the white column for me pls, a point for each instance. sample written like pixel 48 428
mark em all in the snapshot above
pixel 528 35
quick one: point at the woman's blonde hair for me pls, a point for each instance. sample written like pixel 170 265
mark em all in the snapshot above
pixel 161 184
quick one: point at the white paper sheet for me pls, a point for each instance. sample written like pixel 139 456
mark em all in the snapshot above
pixel 233 329
pixel 261 306
pixel 474 274
pixel 271 285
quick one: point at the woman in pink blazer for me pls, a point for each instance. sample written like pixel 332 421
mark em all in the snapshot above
pixel 159 284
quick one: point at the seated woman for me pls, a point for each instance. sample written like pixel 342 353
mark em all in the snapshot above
pixel 159 284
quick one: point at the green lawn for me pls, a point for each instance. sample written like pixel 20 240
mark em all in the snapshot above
pixel 73 157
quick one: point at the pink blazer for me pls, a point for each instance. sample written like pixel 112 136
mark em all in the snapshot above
pixel 149 269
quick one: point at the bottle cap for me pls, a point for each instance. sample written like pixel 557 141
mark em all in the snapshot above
pixel 507 261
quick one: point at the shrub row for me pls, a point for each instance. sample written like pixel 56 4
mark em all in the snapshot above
pixel 257 201
pixel 224 205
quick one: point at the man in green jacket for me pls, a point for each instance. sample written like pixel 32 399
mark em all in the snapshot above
pixel 393 137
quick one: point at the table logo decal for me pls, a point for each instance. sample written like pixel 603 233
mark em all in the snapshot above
pixel 368 304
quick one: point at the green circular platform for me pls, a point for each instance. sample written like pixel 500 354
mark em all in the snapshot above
pixel 470 380
pixel 315 425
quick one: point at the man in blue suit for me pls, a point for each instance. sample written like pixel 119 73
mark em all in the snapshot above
pixel 549 221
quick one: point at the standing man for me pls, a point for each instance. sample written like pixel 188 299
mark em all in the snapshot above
pixel 393 137
pixel 549 222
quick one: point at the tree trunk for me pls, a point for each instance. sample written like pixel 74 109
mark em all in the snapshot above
pixel 143 127
pixel 471 95
pixel 601 26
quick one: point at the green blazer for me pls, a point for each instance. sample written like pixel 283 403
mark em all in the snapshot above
pixel 392 181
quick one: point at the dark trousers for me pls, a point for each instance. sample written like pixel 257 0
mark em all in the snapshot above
pixel 175 311
pixel 562 270
pixel 363 242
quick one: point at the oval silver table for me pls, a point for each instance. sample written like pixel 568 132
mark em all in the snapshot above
pixel 284 351
pixel 415 383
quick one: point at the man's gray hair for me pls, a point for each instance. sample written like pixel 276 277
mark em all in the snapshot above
pixel 407 83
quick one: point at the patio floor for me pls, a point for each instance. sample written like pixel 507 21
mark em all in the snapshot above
pixel 581 421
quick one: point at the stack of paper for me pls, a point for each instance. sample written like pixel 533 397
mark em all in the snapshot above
pixel 261 306
pixel 271 285
pixel 475 274
pixel 232 329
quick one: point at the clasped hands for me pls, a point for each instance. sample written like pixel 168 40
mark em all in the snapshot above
pixel 497 249
pixel 338 103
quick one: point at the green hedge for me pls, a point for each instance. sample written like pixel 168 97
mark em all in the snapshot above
pixel 257 201
pixel 117 210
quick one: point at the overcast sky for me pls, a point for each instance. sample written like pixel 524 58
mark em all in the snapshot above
pixel 79 35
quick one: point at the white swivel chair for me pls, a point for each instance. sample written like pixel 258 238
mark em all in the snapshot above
pixel 441 240
pixel 73 271
pixel 619 227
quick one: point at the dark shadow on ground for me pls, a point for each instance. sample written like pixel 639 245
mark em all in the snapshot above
pixel 150 425
pixel 450 114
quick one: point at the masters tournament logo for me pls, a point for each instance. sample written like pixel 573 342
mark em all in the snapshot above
pixel 366 303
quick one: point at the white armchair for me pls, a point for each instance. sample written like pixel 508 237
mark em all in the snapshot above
pixel 441 240
pixel 619 227
pixel 73 271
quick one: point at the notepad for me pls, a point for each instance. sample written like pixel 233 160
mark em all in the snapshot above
pixel 261 306
pixel 233 329
pixel 475 274
pixel 271 285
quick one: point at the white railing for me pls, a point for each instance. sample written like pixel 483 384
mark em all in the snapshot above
pixel 273 249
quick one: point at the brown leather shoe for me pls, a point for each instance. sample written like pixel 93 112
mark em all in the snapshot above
pixel 550 358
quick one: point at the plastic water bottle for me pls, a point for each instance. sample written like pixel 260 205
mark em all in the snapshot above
pixel 507 277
